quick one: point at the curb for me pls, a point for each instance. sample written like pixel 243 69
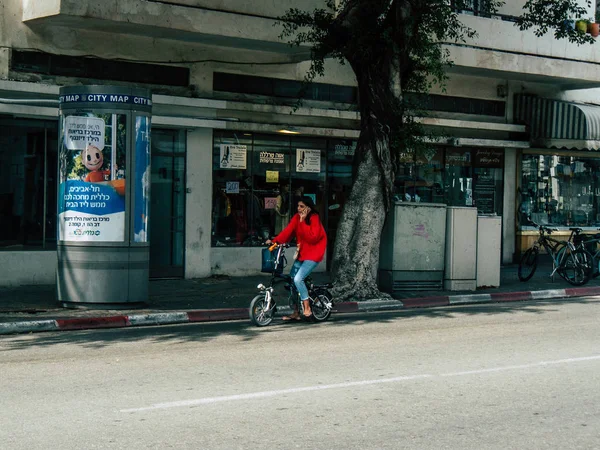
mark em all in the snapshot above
pixel 216 315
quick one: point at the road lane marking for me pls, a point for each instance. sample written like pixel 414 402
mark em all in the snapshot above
pixel 521 366
pixel 275 393
pixel 265 394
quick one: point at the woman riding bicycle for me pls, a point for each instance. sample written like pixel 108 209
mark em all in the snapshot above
pixel 311 241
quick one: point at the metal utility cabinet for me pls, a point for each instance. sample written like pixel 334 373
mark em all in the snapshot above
pixel 461 249
pixel 412 247
pixel 489 240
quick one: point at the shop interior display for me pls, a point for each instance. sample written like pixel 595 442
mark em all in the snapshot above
pixel 560 190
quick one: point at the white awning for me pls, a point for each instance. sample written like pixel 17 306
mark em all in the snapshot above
pixel 559 124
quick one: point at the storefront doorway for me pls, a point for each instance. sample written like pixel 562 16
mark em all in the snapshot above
pixel 167 210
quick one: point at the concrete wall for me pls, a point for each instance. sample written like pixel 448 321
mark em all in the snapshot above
pixel 506 36
pixel 196 30
pixel 515 7
pixel 239 261
pixel 27 267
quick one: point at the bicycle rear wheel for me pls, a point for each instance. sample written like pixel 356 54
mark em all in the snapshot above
pixel 259 316
pixel 528 264
pixel 576 267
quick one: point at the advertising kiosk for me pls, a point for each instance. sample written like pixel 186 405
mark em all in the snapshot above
pixel 103 196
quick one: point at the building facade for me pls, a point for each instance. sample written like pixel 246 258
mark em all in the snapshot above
pixel 230 152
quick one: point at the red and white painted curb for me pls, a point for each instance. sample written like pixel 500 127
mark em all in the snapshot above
pixel 215 315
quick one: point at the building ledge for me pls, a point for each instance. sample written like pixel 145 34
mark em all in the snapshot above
pixel 162 20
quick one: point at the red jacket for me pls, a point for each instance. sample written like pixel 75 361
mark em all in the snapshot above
pixel 311 238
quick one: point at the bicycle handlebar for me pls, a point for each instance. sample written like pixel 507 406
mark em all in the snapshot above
pixel 274 245
pixel 542 227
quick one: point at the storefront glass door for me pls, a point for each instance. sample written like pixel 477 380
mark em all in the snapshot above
pixel 167 210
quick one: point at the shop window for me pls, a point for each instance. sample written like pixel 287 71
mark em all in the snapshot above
pixel 458 180
pixel 258 180
pixel 560 190
pixel 102 69
pixel 420 177
pixel 453 176
pixel 488 174
pixel 340 157
pixel 28 168
pixel 276 87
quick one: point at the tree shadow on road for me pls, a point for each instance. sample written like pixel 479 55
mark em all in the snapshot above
pixel 204 332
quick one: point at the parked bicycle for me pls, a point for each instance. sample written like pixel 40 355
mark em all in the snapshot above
pixel 571 263
pixel 263 306
pixel 588 243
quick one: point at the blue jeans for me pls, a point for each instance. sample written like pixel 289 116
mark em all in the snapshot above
pixel 299 271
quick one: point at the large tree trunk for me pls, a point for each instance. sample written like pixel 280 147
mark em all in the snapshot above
pixel 356 253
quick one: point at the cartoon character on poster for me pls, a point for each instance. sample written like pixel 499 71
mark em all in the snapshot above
pixel 93 160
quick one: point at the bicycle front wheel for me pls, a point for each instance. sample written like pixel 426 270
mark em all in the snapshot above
pixel 321 305
pixel 259 316
pixel 528 264
pixel 576 267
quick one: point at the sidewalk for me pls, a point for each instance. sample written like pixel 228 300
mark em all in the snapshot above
pixel 28 309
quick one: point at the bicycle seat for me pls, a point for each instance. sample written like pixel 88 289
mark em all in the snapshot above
pixel 284 277
pixel 576 230
pixel 548 229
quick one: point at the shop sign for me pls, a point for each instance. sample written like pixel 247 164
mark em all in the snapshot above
pixel 485 194
pixel 308 160
pixel 489 158
pixel 341 150
pixel 458 158
pixel 233 156
pixel 271 158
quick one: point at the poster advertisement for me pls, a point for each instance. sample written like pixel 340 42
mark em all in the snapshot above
pixel 308 160
pixel 270 202
pixel 233 156
pixel 81 132
pixel 232 187
pixel 141 179
pixel 272 176
pixel 91 197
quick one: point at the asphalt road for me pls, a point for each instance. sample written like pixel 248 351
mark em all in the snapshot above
pixel 514 376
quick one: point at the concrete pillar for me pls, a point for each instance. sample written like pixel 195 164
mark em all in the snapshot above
pixel 198 221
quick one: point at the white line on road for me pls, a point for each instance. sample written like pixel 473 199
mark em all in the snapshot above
pixel 229 398
pixel 522 366
pixel 265 394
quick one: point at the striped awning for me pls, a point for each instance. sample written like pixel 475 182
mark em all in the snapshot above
pixel 559 124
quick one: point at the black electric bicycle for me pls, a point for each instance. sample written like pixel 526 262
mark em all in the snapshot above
pixel 263 306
